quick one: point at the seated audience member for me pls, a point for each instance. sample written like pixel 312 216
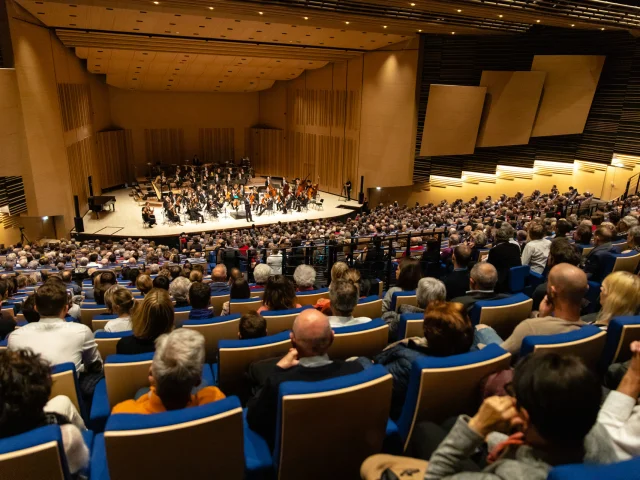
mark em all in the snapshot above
pixel 619 295
pixel 151 318
pixel 29 309
pixel 7 324
pixel 144 284
pixel 561 251
pixel 408 274
pixel 559 310
pixel 279 294
pixel 274 260
pixel 620 413
pixel 305 278
pixel 179 290
pixel 261 274
pixel 536 251
pixel 503 256
pixel 234 274
pixel 199 299
pixel 67 278
pixel 447 331
pixel 596 261
pixel 239 291
pixel 175 371
pixel 582 236
pixel 120 302
pixel 195 276
pixel 102 283
pixel 633 240
pixel 161 282
pixel 344 298
pixel 252 325
pixel 338 271
pixel 219 285
pixel 57 340
pixel 307 361
pixel 457 282
pixel 25 388
pixel 447 253
pixel 429 290
pixel 482 281
pixel 563 228
pixel 553 411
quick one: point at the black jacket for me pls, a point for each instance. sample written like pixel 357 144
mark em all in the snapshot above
pixel 457 283
pixel 596 262
pixel 470 300
pixel 504 256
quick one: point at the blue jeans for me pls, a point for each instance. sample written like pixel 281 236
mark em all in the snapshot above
pixel 484 336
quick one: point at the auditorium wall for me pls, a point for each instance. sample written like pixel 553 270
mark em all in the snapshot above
pixel 342 121
pixel 180 117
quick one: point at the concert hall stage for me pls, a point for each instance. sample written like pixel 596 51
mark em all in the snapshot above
pixel 126 220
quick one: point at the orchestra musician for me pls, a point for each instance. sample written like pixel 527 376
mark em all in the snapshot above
pixel 147 215
pixel 196 161
pixel 194 211
pixel 267 182
pixel 172 215
pixel 247 209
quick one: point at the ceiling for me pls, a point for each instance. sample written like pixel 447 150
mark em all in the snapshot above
pixel 244 45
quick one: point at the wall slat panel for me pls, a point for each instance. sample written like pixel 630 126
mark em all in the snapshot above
pixel 217 144
pixel 165 145
pixel 114 156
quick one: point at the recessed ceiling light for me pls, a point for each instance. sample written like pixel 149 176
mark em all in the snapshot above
pixel 347 23
pixel 453 33
pixel 412 4
pixel 384 26
pixel 459 10
pixel 419 30
pixel 537 21
pixel 210 8
pixel 260 13
pixel 602 28
pixel 573 24
pixel 306 18
pixel 500 16
pixel 156 3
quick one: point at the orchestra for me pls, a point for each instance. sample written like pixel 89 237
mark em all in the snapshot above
pixel 191 191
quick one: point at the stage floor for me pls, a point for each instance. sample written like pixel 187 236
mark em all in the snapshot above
pixel 127 219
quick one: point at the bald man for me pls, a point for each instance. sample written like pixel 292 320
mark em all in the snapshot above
pixel 307 361
pixel 482 283
pixel 566 287
pixel 219 285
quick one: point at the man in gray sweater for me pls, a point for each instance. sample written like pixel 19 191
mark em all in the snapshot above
pixel 550 417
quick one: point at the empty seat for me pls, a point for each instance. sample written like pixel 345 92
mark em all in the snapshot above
pixel 88 312
pixel 586 343
pixel 180 315
pixel 359 409
pixel 363 340
pixel 208 441
pixel 503 315
pixel 443 387
pixel 620 333
pixel 625 262
pixel 370 307
pixel 213 330
pixel 235 356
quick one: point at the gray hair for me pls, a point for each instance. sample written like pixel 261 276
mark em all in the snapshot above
pixel 503 233
pixel 430 290
pixel 154 268
pixel 179 356
pixel 634 233
pixel 344 296
pixel 304 276
pixel 179 288
pixel 630 220
pixel 261 273
pixel 484 275
pixel 23 262
pixel 84 261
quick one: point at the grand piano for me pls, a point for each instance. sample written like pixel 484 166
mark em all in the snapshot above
pixel 99 204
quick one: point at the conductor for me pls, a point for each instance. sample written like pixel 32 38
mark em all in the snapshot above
pixel 247 209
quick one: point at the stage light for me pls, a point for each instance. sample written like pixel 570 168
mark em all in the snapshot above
pixel 45 218
pixel 347 23
pixel 537 21
pixel 156 3
pixel 384 26
pixel 306 18
pixel 210 8
pixel 378 188
pixel 459 10
pixel 500 16
pixel 261 13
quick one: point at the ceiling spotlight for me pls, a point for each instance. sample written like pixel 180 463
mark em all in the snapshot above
pixel 500 16
pixel 210 8
pixel 156 3
pixel 419 30
pixel 573 24
pixel 537 21
pixel 347 23
pixel 260 13
pixel 384 26
pixel 459 10
pixel 306 18
pixel 453 33
pixel 412 4
pixel 602 29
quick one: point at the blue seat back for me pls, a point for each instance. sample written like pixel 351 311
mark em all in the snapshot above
pixel 362 340
pixel 620 333
pixel 65 382
pixel 629 470
pixel 518 278
pixel 396 295
pixel 408 325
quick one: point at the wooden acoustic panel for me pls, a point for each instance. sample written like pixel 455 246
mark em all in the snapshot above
pixel 452 120
pixel 509 108
pixel 569 88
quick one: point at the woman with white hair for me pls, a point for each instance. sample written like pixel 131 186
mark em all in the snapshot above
pixel 179 290
pixel 175 372
pixel 261 274
pixel 305 278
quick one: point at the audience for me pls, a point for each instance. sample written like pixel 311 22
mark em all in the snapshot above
pixel 559 310
pixel 102 283
pixel 252 325
pixel 239 291
pixel 199 299
pixel 482 282
pixel 274 261
pixel 633 240
pixel 344 298
pixel 305 278
pixel 119 301
pixel 307 361
pixel 151 318
pixel 144 284
pixel 25 388
pixel 161 282
pixel 503 256
pixel 179 290
pixel 175 371
pixel 447 331
pixel 408 274
pixel 29 309
pixel 560 251
pixel 261 274
pixel 536 251
pixel 596 261
pixel 457 282
pixel 219 285
pixel 279 294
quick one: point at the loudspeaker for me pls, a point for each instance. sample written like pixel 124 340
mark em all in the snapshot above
pixel 361 194
pixel 79 223
pixel 76 203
